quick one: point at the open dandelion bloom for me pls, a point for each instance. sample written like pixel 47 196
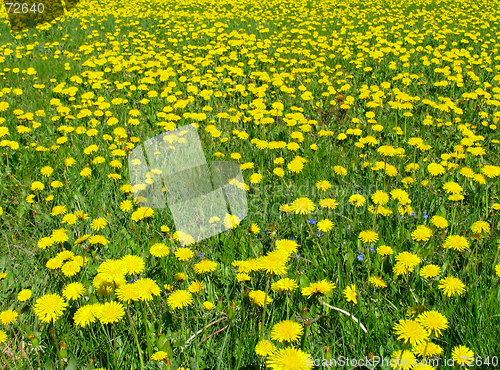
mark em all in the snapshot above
pixel 430 271
pixel 452 188
pixel 159 355
pixel 340 170
pixel 411 331
pixel 85 315
pixel 24 295
pixel 274 262
pixel 73 291
pixel 231 221
pixel 284 285
pixel 368 236
pixel 328 203
pixel 323 185
pixel 451 286
pixel 402 360
pixel 127 293
pixel 257 297
pixel 463 355
pixel 264 348
pixel 208 305
pixel 183 238
pixel 112 270
pixel 287 331
pixel 159 250
pixel 350 294
pixel 325 225
pixel 111 312
pixel 378 281
pixel 427 349
pixel 289 359
pixel 480 227
pixel 433 321
pixel 380 197
pixel 205 266
pixel 49 307
pixel 439 222
pixel 385 250
pixel 147 288
pixel 3 336
pixel 321 287
pixel 409 260
pixel 357 200
pixel 421 233
pixel 133 264
pixel 400 269
pixel 179 299
pixel 435 169
pixel 184 254
pixel 387 150
pixel 289 246
pixel 302 206
pixel 8 316
pixel 456 242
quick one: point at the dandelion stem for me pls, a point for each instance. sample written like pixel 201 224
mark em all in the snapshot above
pixel 146 328
pixel 56 346
pixel 136 340
pixel 401 355
pixel 115 360
pixel 263 324
pixel 304 337
pixel 183 325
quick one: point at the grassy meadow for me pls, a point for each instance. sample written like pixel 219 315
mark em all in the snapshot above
pixel 367 135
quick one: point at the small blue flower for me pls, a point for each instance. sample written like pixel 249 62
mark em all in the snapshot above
pixel 350 227
pixel 133 280
pixel 412 214
pixel 426 216
pixel 318 235
pixel 298 255
pixel 292 239
pixel 202 256
pixel 399 217
pixel 360 257
pixel 314 222
pixel 372 249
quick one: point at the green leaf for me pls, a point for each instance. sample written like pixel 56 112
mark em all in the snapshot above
pixel 304 281
pixel 21 210
pixel 167 319
pixel 442 211
pixel 71 363
pixel 155 239
pixel 49 365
